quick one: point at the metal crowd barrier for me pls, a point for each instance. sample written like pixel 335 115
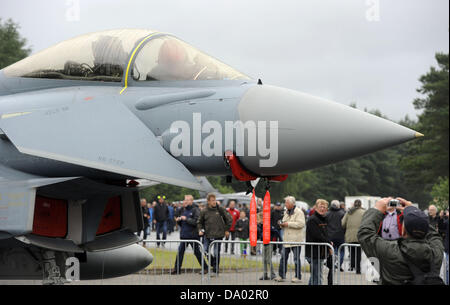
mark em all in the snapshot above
pixel 444 269
pixel 161 269
pixel 356 268
pixel 250 273
pixel 248 269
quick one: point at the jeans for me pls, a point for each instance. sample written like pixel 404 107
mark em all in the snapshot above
pixel 267 259
pixel 284 259
pixel 215 255
pixel 144 233
pixel 355 258
pixel 277 237
pixel 180 255
pixel 316 271
pixel 161 226
pixel 243 246
pixel 336 244
pixel 170 225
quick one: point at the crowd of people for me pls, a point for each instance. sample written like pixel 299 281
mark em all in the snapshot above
pixel 323 223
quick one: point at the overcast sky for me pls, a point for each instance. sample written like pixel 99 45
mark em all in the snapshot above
pixel 370 52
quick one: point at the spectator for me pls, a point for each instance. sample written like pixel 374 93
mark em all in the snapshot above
pixel 267 250
pixel 335 231
pixel 317 232
pixel 443 215
pixel 188 230
pixel 171 219
pixel 446 245
pixel 242 232
pixel 259 205
pixel 446 232
pixel 179 208
pixel 153 224
pixel 350 223
pixel 410 260
pixel 245 209
pixel 342 205
pixel 150 217
pixel 391 226
pixel 433 218
pixel 161 214
pixel 292 223
pixel 235 216
pixel 145 217
pixel 275 219
pixel 214 223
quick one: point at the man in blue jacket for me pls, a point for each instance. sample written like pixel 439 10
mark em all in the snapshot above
pixel 188 223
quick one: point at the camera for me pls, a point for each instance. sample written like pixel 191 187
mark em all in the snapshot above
pixel 394 203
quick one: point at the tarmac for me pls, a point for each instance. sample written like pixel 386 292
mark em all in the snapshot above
pixel 225 278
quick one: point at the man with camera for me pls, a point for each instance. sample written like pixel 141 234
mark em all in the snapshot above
pixel 391 226
pixel 187 220
pixel 415 258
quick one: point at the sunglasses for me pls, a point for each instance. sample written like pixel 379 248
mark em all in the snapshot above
pixel 163 197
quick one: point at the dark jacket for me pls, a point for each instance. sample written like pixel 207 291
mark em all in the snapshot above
pixel 446 236
pixel 161 212
pixel 434 221
pixel 215 221
pixel 424 253
pixel 442 227
pixel 335 230
pixel 145 211
pixel 189 226
pixel 317 232
pixel 244 225
pixel 275 217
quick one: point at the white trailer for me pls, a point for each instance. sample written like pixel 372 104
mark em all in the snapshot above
pixel 367 201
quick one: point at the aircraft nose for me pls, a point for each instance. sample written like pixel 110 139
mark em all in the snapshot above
pixel 313 132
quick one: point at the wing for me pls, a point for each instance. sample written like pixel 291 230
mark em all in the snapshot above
pixel 208 188
pixel 102 134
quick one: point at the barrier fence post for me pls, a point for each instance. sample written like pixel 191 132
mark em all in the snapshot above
pixel 192 242
pixel 368 267
pixel 251 268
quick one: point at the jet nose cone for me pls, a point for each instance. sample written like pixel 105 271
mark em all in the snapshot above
pixel 313 132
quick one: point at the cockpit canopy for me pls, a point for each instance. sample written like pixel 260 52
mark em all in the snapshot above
pixel 107 56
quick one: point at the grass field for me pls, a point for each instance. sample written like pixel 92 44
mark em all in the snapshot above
pixel 164 259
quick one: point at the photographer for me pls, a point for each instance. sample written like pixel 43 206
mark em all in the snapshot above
pixel 407 260
pixel 187 219
pixel 293 224
pixel 391 226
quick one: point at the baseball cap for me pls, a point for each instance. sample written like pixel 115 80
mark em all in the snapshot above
pixel 278 204
pixel 416 222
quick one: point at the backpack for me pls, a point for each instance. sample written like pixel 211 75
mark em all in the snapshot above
pixel 421 278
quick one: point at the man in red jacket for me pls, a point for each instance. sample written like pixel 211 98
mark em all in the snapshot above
pixel 235 215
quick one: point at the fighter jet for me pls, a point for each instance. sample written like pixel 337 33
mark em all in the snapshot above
pixel 81 121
